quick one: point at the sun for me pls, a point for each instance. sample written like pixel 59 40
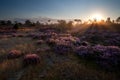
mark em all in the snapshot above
pixel 97 17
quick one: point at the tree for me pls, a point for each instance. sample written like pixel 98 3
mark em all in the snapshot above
pixel 9 22
pixel 70 24
pixel 28 23
pixel 33 24
pixel 78 21
pixel 37 23
pixel 3 22
pixel 16 26
pixel 108 20
pixel 118 20
pixel 62 25
pixel 49 20
pixel 20 24
pixel 113 21
pixel 95 20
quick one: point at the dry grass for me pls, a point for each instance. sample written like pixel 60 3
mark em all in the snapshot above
pixel 74 71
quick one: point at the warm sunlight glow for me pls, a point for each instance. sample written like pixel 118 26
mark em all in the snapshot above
pixel 74 23
pixel 97 17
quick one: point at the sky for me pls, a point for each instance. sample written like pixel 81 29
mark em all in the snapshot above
pixel 59 9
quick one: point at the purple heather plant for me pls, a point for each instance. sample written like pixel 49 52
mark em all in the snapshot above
pixel 107 56
pixel 14 54
pixel 31 59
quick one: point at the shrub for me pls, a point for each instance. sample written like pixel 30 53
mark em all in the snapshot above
pixel 62 48
pixel 31 59
pixel 105 56
pixel 40 42
pixel 16 26
pixel 51 42
pixel 109 56
pixel 84 51
pixel 14 54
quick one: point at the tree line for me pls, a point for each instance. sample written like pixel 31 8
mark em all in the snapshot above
pixel 61 23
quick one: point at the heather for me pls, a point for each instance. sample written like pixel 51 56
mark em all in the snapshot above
pixel 51 52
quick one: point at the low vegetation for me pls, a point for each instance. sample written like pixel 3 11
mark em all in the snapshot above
pixel 60 51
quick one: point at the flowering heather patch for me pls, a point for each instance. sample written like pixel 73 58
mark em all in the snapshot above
pixel 51 42
pixel 14 54
pixel 31 59
pixel 40 42
pixel 61 39
pixel 109 56
pixel 18 35
pixel 85 43
pixel 65 43
pixel 62 44
pixel 43 36
pixel 112 38
pixel 36 36
pixel 101 36
pixel 83 51
pixel 78 43
pixel 31 34
pixel 106 56
pixel 62 48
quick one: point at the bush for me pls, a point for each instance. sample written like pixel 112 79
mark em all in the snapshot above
pixel 39 42
pixel 31 59
pixel 16 26
pixel 14 54
pixel 105 56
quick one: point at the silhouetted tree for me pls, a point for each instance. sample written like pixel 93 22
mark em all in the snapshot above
pixel 102 21
pixel 20 24
pixel 37 23
pixel 78 20
pixel 70 25
pixel 62 22
pixel 28 23
pixel 118 20
pixel 33 24
pixel 95 20
pixel 49 20
pixel 113 21
pixel 15 22
pixel 9 22
pixel 3 22
pixel 16 26
pixel 62 25
pixel 0 21
pixel 90 20
pixel 108 20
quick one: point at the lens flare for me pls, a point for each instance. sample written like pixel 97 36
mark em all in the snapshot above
pixel 97 17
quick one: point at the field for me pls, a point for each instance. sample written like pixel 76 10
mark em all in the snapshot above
pixel 85 52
